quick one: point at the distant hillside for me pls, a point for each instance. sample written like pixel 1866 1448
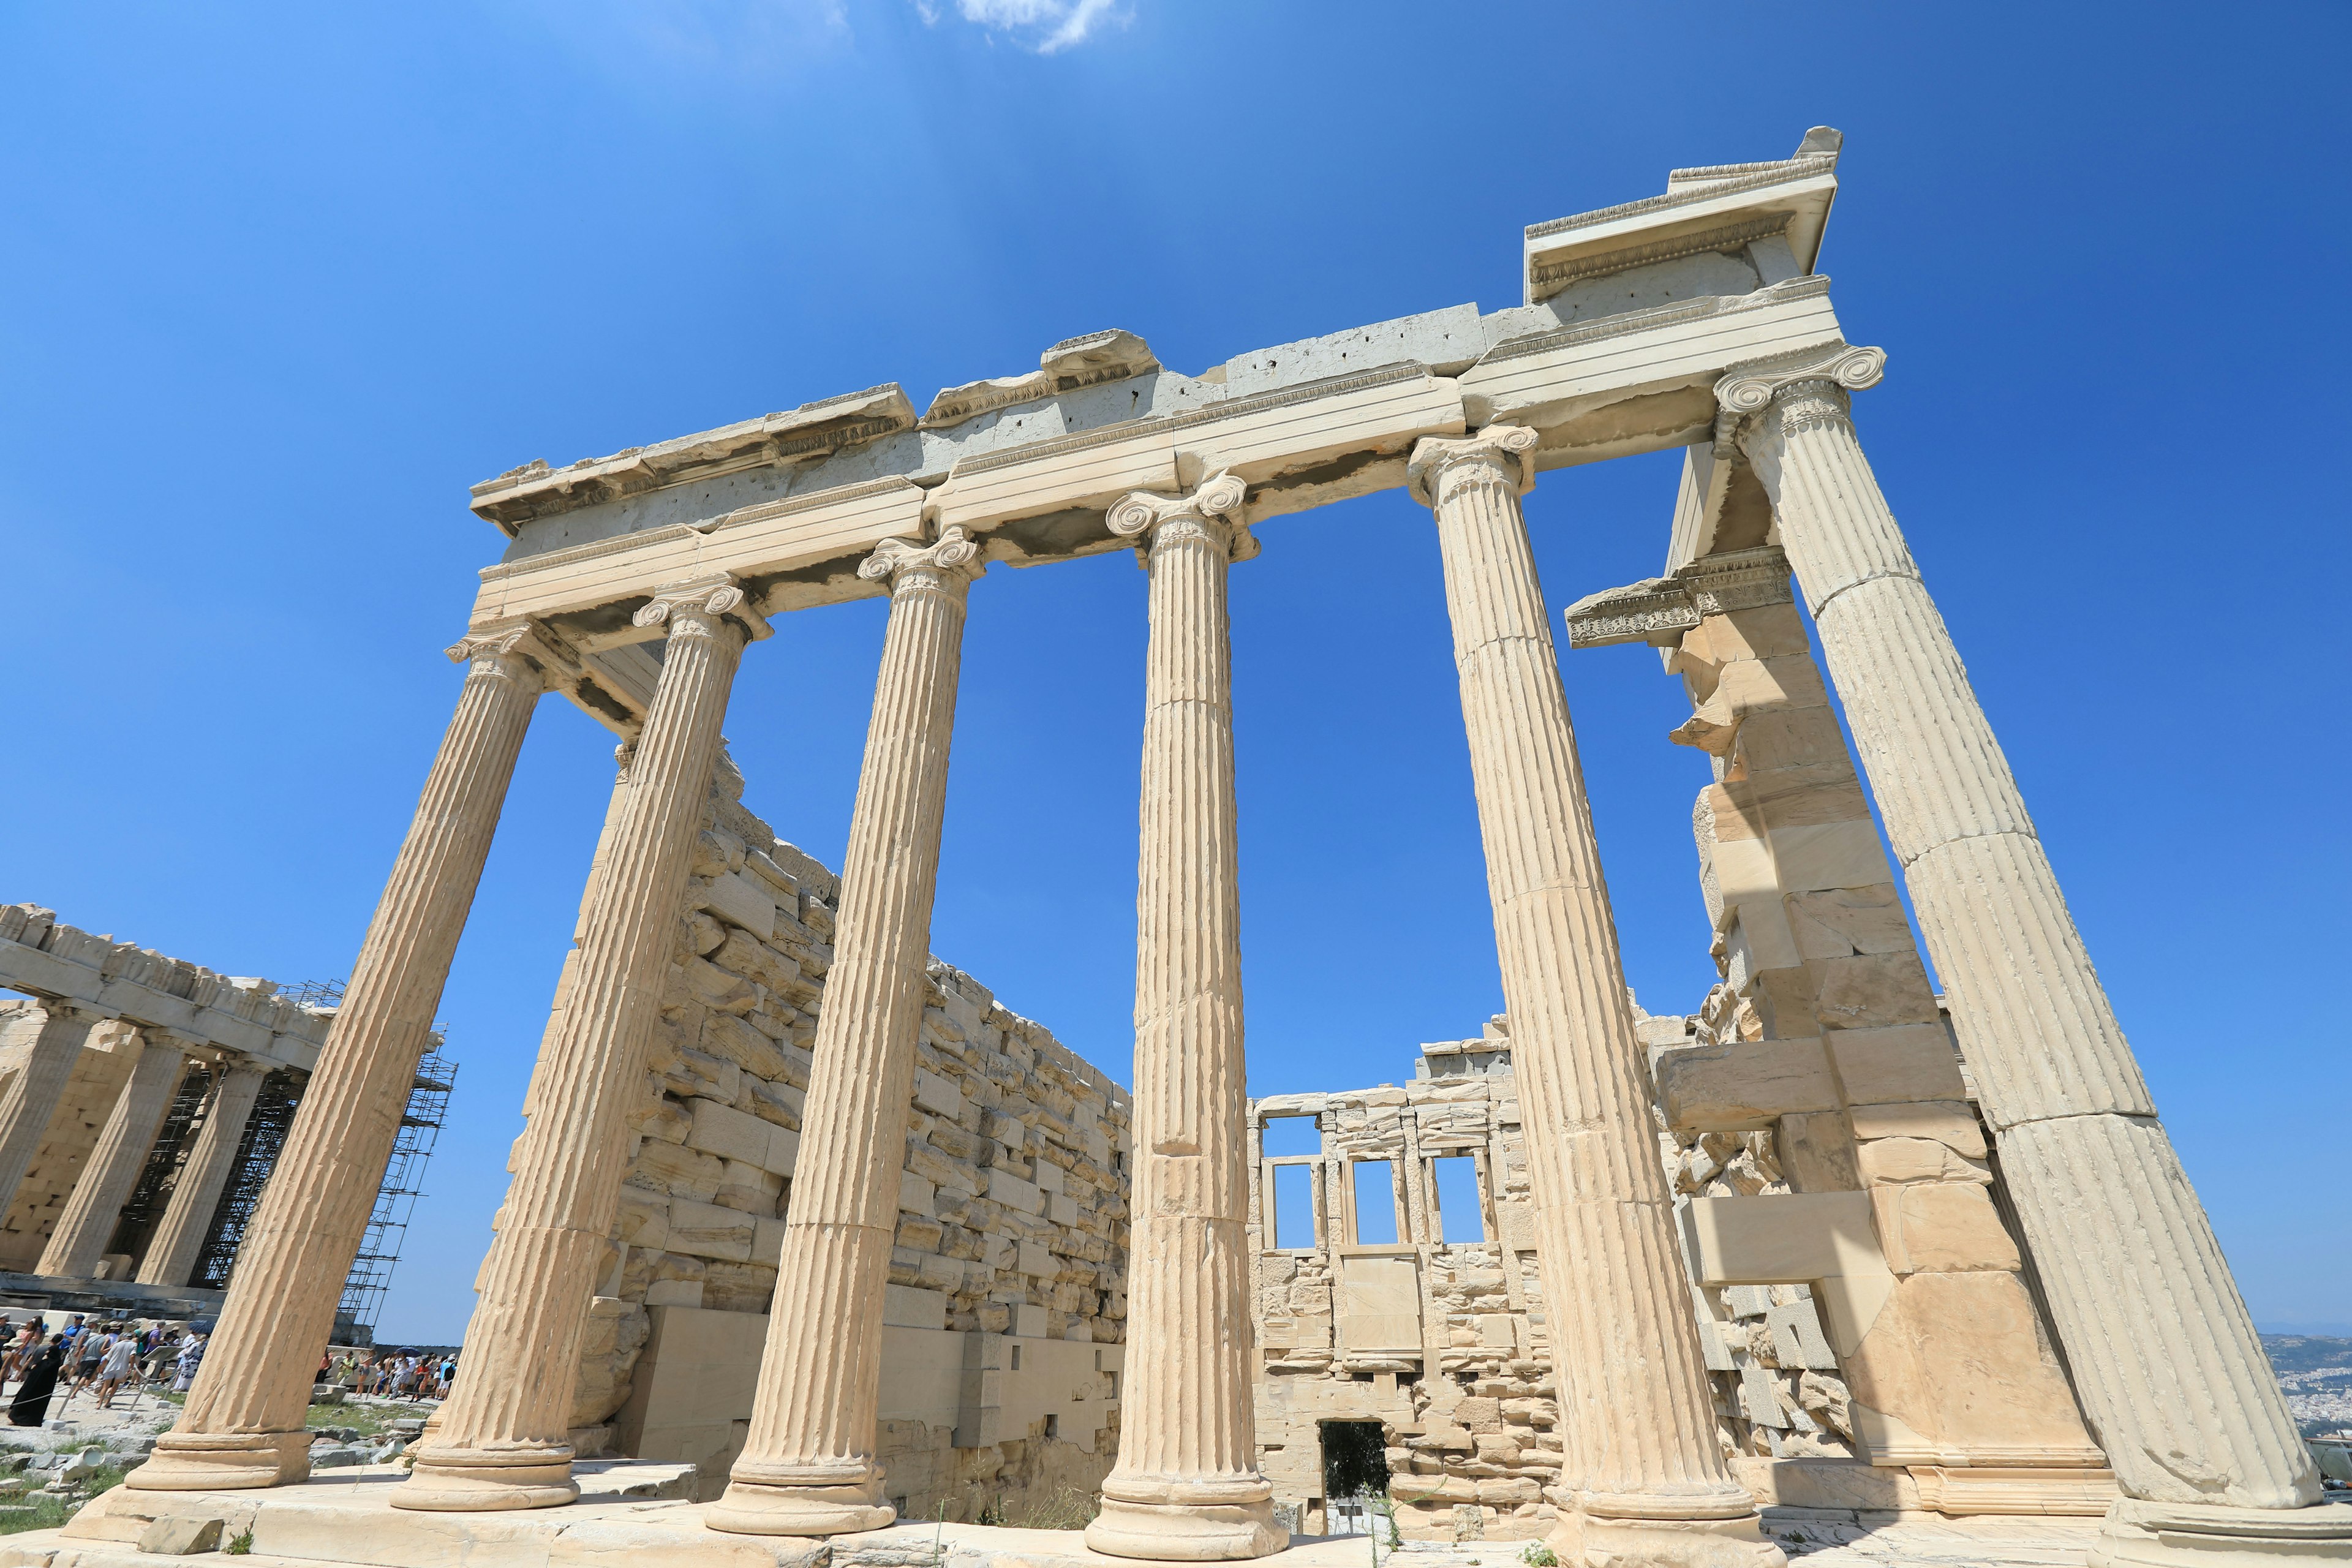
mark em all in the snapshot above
pixel 2316 1371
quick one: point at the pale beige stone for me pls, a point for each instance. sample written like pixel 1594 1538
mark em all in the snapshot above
pixel 87 1224
pixel 2156 1335
pixel 1652 1481
pixel 809 1462
pixel 502 1440
pixel 179 1238
pixel 243 1423
pixel 1187 1485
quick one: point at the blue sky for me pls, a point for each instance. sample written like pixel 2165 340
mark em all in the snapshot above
pixel 277 284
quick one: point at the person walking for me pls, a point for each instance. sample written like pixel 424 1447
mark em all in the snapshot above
pixel 121 1364
pixel 88 1353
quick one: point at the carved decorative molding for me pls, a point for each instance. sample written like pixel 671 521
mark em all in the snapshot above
pixel 1213 509
pixel 525 641
pixel 1747 391
pixel 910 563
pixel 1659 610
pixel 1497 454
pixel 1804 168
pixel 690 605
pixel 1552 277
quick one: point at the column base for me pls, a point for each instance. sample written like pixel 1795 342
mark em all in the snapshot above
pixel 223 1461
pixel 2142 1534
pixel 488 1480
pixel 1599 1541
pixel 773 1497
pixel 1172 1525
pixel 797 1510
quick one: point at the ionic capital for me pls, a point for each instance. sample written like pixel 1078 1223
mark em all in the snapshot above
pixel 519 650
pixel 948 563
pixel 1441 465
pixel 694 607
pixel 1212 512
pixel 1809 390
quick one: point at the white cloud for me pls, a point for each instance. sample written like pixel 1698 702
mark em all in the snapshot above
pixel 1045 25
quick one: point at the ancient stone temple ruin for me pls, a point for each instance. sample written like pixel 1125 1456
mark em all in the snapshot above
pixel 142 1106
pixel 1937 1222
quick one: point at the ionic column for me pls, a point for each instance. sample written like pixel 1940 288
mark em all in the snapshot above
pixel 243 1423
pixel 1187 1485
pixel 808 1465
pixel 179 1240
pixel 2164 1355
pixel 115 1161
pixel 31 1097
pixel 503 1439
pixel 1644 1479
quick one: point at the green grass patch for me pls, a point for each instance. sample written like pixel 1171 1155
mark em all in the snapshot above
pixel 44 1512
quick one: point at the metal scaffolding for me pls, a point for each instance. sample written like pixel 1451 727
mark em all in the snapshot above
pixel 265 1137
pixel 403 1174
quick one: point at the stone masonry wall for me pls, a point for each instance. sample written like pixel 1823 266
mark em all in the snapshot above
pixel 1012 1203
pixel 1439 1340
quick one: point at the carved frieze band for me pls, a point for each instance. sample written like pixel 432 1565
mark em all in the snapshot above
pixel 910 564
pixel 1495 454
pixel 691 604
pixel 1212 511
pixel 1660 609
pixel 1827 376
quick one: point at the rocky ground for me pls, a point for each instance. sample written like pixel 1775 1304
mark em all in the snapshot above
pixel 49 1470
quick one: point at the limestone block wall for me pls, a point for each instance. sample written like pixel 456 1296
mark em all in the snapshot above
pixel 1439 1340
pixel 99 1075
pixel 1013 1232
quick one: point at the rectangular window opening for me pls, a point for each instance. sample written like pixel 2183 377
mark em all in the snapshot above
pixel 1016 1358
pixel 1462 1215
pixel 1288 1135
pixel 1376 1215
pixel 1294 1208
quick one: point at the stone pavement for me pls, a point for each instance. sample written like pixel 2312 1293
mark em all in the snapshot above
pixel 637 1513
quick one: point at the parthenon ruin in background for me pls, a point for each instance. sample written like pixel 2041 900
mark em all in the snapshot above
pixel 634 585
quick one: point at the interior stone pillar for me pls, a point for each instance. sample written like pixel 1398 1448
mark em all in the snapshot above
pixel 2171 1376
pixel 1644 1479
pixel 1187 1486
pixel 179 1240
pixel 31 1097
pixel 87 1222
pixel 808 1465
pixel 503 1440
pixel 241 1425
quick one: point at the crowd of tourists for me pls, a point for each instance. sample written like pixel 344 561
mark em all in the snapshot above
pixel 102 1359
pixel 389 1374
pixel 109 1359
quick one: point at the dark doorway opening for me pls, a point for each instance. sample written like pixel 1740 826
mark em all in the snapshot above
pixel 1355 1459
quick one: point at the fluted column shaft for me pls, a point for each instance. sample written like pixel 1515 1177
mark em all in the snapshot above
pixel 502 1440
pixel 31 1097
pixel 241 1425
pixel 1187 1485
pixel 2164 1354
pixel 87 1222
pixel 1642 1460
pixel 179 1240
pixel 808 1464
